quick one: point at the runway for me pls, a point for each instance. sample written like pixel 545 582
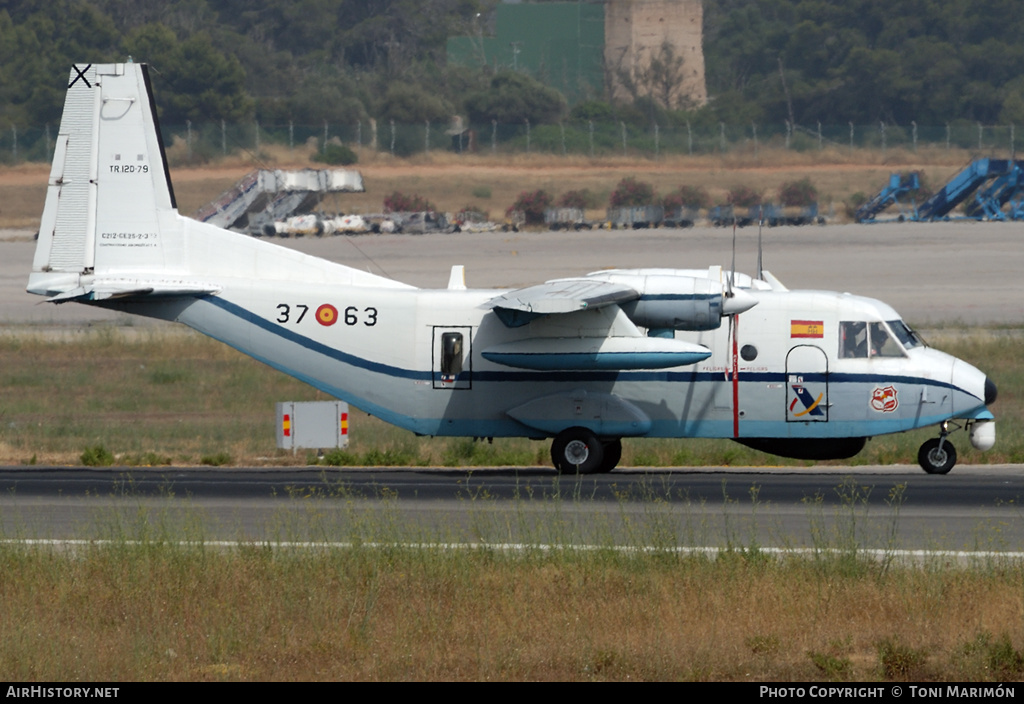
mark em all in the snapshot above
pixel 975 508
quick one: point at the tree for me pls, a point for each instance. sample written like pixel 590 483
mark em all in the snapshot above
pixel 514 97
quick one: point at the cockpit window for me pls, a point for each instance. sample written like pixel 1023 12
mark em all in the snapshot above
pixel 860 340
pixel 882 343
pixel 907 337
pixel 853 340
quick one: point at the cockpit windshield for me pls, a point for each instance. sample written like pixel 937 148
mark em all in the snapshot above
pixel 862 340
pixel 907 337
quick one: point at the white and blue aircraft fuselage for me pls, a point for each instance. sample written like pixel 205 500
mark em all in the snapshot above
pixel 586 361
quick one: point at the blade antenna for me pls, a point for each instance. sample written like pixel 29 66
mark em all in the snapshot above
pixel 760 264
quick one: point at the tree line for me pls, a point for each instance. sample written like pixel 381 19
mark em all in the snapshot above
pixel 346 61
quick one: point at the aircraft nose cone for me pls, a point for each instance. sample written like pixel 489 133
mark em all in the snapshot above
pixel 990 392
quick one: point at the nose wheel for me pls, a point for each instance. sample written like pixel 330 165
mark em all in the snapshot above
pixel 937 456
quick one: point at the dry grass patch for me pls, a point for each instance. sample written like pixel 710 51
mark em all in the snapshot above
pixel 155 611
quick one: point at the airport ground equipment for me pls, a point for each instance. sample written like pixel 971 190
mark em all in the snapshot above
pixel 566 219
pixel 635 217
pixel 681 217
pixel 265 196
pixel 900 185
pixel 961 186
pixel 312 425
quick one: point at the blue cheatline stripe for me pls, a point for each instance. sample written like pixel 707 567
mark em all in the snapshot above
pixel 679 296
pixel 554 375
pixel 315 346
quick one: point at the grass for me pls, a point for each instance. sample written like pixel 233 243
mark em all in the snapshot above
pixel 150 607
pixel 153 398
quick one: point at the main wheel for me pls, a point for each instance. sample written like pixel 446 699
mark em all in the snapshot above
pixel 577 450
pixel 934 459
pixel 612 455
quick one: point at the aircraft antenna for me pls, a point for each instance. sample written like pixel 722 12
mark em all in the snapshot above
pixel 760 264
pixel 732 270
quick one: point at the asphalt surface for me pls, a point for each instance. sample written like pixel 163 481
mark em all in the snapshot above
pixel 973 508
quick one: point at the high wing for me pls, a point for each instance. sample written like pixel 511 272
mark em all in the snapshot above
pixel 519 307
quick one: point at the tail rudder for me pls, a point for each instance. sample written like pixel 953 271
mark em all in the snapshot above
pixel 109 205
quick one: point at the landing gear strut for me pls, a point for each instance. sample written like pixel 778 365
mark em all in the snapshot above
pixel 579 451
pixel 937 456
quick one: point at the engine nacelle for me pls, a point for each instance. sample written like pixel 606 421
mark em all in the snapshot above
pixel 676 301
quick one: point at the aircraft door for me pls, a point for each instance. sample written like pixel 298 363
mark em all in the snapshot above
pixel 807 385
pixel 452 366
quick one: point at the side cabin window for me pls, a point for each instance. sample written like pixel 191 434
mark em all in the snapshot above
pixel 860 340
pixel 451 355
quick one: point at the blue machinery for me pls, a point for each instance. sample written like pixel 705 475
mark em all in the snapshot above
pixel 994 183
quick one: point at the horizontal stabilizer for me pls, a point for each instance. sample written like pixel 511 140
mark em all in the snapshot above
pixel 108 290
pixel 519 307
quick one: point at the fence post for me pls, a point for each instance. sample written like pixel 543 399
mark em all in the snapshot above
pixel 1013 145
pixel 426 136
pixel 188 141
pixel 851 138
pixel 623 124
pixel 527 135
pixel 48 146
pixel 591 123
pixel 947 136
pixel 689 137
pixel 657 145
pixel 753 126
pixel 789 132
pixel 721 128
pixel 14 148
pixel 913 124
pixel 882 127
pixel 392 137
pixel 223 138
pixel 359 132
pixel 561 126
pixel 979 137
pixel 323 148
pixel 819 136
pixel 257 137
pixel 291 136
pixel 494 136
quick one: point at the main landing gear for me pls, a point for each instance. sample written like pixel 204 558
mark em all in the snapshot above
pixel 937 456
pixel 579 451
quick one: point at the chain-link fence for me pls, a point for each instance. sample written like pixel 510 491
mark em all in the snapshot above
pixel 201 142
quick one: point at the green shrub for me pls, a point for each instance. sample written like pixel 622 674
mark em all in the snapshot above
pixel 398 202
pixel 97 456
pixel 336 154
pixel 217 460
pixel 743 197
pixel 798 193
pixel 687 196
pixel 631 192
pixel 532 204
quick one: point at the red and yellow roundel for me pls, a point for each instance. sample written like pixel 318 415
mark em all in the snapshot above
pixel 327 314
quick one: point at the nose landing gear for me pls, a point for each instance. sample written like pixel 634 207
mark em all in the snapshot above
pixel 937 456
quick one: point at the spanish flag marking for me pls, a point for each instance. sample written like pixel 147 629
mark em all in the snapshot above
pixel 327 314
pixel 344 423
pixel 807 328
pixel 286 425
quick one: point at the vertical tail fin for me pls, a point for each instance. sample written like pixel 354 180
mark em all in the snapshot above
pixel 109 204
